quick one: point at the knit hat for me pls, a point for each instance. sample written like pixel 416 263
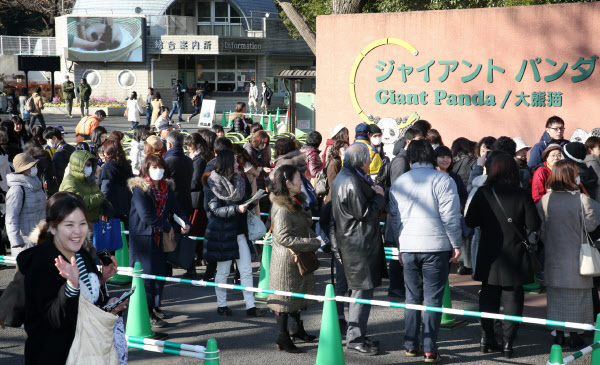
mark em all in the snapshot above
pixel 374 128
pixel 163 124
pixel 23 162
pixel 595 132
pixel 550 148
pixel 575 151
pixel 335 130
pixel 362 128
pixel 521 144
pixel 155 142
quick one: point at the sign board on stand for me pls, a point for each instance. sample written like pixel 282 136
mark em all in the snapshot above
pixel 207 113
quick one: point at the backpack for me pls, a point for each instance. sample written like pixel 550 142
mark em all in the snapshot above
pixel 195 100
pixel 30 104
pixel 322 184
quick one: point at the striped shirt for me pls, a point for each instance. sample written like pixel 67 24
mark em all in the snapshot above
pixel 70 292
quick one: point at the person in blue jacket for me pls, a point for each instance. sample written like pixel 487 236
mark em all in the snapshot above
pixel 152 205
pixel 555 132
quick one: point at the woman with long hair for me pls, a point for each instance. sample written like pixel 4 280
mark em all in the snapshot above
pixel 198 152
pixel 567 216
pixel 339 132
pixel 152 204
pixel 503 264
pixel 334 165
pixel 113 179
pixel 21 130
pixel 136 153
pixel 291 235
pixel 134 109
pixel 463 160
pixel 156 103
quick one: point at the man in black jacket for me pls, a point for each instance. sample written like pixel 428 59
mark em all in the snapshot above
pixel 177 99
pixel 356 205
pixel 63 153
pixel 180 171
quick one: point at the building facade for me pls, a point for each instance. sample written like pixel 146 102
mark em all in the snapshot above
pixel 220 45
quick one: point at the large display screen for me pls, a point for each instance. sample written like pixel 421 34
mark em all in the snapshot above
pixel 106 39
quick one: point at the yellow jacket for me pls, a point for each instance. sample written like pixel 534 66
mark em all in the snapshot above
pixel 376 161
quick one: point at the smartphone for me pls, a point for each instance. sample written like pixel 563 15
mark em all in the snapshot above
pixel 111 306
pixel 105 257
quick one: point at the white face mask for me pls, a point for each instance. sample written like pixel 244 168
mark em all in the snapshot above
pixel 262 147
pixel 33 171
pixel 50 143
pixel 376 141
pixel 157 174
pixel 577 180
pixel 87 171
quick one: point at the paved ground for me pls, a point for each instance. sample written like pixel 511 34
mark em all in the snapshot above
pixel 245 340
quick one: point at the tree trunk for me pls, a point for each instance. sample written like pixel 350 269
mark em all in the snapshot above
pixel 300 23
pixel 346 6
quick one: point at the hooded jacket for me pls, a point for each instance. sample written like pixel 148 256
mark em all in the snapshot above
pixel 535 155
pixel 84 186
pixel 592 161
pixel 61 159
pixel 23 213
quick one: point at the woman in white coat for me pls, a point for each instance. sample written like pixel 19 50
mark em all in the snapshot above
pixel 134 109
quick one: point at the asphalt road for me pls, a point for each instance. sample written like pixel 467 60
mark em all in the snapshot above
pixel 245 340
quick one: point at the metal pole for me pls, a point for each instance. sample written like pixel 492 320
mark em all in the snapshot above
pixel 52 83
pixel 1 45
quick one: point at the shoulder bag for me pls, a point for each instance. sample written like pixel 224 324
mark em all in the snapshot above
pixel 536 266
pixel 589 257
pixel 307 262
pixel 322 184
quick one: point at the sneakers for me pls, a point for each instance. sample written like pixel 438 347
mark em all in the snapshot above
pixel 160 314
pixel 396 293
pixel 157 322
pixel 432 357
pixel 188 119
pixel 255 312
pixel 225 311
pixel 413 353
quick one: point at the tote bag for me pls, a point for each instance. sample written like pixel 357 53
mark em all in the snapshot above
pixel 589 257
pixel 256 228
pixel 107 235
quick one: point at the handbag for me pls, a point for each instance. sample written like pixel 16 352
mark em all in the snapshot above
pixel 589 257
pixel 322 184
pixel 107 235
pixel 256 228
pixel 307 262
pixel 536 266
pixel 169 245
pixel 183 254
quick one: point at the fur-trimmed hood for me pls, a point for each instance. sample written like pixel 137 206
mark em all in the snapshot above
pixel 288 203
pixel 141 183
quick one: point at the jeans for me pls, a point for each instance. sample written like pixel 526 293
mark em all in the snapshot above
pixel 396 276
pixel 148 115
pixel 358 316
pixel 85 106
pixel 196 112
pixel 134 124
pixel 176 104
pixel 36 117
pixel 340 287
pixel 244 264
pixel 425 276
pixel 69 106
pixel 490 298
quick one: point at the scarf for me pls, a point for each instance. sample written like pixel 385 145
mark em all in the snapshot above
pixel 224 189
pixel 160 201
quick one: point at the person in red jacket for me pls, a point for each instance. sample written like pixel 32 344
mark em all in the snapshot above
pixel 550 156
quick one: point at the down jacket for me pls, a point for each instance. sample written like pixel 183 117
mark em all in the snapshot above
pixel 538 183
pixel 86 187
pixel 424 211
pixel 357 236
pixel 313 162
pixel 113 184
pixel 291 230
pixel 137 156
pixel 23 213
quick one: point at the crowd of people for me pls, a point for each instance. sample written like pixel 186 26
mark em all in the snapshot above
pixel 483 205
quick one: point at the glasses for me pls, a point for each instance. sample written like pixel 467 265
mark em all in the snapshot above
pixel 558 129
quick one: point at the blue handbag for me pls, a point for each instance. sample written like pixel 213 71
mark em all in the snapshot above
pixel 107 235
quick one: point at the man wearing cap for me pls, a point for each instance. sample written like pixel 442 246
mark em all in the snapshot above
pixel 576 152
pixel 86 125
pixel 164 127
pixel 68 90
pixel 525 172
pixel 554 134
pixel 363 135
pixel 25 202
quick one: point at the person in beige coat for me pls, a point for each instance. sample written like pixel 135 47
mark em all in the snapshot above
pixel 566 215
pixel 156 105
pixel 36 113
pixel 291 232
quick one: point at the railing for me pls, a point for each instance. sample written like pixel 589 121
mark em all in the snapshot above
pixel 242 27
pixel 37 46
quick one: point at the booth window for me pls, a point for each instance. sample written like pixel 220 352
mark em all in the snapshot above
pixel 226 73
pixel 218 17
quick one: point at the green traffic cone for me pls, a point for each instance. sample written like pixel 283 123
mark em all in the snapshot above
pixel 596 352
pixel 330 350
pixel 277 118
pixel 122 256
pixel 211 356
pixel 138 319
pixel 224 119
pixel 250 115
pixel 262 121
pixel 556 355
pixel 230 122
pixel 270 125
pixel 533 288
pixel 448 320
pixel 265 268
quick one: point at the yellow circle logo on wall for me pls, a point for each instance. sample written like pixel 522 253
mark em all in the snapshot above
pixel 358 60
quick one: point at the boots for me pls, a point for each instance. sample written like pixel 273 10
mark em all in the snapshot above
pixel 560 338
pixel 508 348
pixel 575 341
pixel 489 344
pixel 297 331
pixel 284 343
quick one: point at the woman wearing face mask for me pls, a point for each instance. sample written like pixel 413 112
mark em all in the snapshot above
pixel 226 237
pixel 82 181
pixel 25 202
pixel 334 165
pixel 551 155
pixel 152 205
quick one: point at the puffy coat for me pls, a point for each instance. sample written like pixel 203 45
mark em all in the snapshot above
pixel 313 161
pixel 424 211
pixel 113 184
pixel 463 165
pixel 240 126
pixel 86 187
pixel 357 238
pixel 23 213
pixel 538 183
pixel 535 155
pixel 502 258
pixel 562 233
pixel 291 231
pixel 593 161
pixel 136 155
pixel 181 169
pixel 196 187
pixel 225 223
